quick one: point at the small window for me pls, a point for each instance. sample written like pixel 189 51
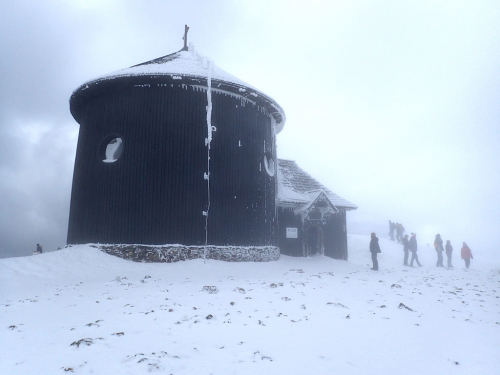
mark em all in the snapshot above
pixel 269 164
pixel 111 149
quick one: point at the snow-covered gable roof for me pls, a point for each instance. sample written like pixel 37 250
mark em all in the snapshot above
pixel 296 187
pixel 316 195
pixel 189 67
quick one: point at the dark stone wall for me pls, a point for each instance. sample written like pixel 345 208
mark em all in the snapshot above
pixel 155 193
pixel 170 254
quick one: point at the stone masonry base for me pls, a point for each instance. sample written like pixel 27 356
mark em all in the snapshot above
pixel 176 253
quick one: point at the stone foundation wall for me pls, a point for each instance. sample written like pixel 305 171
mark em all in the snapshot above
pixel 176 253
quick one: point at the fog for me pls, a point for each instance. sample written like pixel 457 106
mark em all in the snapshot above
pixel 392 105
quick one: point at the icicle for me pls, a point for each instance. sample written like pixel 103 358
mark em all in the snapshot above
pixel 208 140
pixel 209 105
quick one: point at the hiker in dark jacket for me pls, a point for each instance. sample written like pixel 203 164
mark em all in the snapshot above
pixel 438 245
pixel 413 249
pixel 399 232
pixel 392 227
pixel 449 250
pixel 406 248
pixel 374 249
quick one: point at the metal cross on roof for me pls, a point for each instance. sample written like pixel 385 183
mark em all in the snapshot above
pixel 185 37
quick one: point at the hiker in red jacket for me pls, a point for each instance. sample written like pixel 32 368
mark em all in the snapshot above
pixel 466 255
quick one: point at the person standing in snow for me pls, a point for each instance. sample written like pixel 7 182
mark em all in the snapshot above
pixel 392 226
pixel 449 250
pixel 39 248
pixel 399 232
pixel 413 249
pixel 438 245
pixel 406 248
pixel 374 249
pixel 466 255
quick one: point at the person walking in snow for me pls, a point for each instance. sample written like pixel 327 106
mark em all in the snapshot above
pixel 406 248
pixel 374 249
pixel 466 255
pixel 399 232
pixel 438 245
pixel 392 226
pixel 449 250
pixel 413 249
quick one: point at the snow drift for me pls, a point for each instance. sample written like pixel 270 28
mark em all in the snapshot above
pixel 82 311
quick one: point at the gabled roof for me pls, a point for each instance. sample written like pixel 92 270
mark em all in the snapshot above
pixel 315 195
pixel 297 187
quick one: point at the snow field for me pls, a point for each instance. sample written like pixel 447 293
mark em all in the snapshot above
pixel 81 311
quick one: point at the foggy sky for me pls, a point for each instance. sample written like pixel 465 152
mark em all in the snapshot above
pixel 392 105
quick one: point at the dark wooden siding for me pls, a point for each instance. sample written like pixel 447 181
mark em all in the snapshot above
pixel 242 193
pixel 335 236
pixel 155 193
pixel 290 246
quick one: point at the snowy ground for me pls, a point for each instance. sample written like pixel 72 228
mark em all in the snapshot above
pixel 82 311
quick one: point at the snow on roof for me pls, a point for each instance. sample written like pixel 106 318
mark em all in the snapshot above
pixel 188 64
pixel 314 195
pixel 297 187
pixel 182 63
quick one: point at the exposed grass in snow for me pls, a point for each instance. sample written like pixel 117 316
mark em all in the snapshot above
pixel 82 311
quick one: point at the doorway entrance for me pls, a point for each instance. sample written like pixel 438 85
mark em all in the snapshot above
pixel 314 241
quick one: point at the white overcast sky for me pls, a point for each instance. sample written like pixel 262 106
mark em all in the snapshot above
pixel 394 105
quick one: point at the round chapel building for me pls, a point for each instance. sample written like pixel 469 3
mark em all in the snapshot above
pixel 175 151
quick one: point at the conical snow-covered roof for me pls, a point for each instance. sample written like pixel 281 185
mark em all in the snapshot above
pixel 182 63
pixel 189 67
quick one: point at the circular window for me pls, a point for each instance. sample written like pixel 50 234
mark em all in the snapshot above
pixel 111 149
pixel 269 164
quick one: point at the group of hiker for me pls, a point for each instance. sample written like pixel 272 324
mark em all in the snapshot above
pixel 398 228
pixel 438 245
pixel 410 245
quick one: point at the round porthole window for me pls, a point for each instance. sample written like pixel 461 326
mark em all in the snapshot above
pixel 111 149
pixel 269 164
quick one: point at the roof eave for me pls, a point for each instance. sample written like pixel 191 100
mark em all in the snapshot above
pixel 232 88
